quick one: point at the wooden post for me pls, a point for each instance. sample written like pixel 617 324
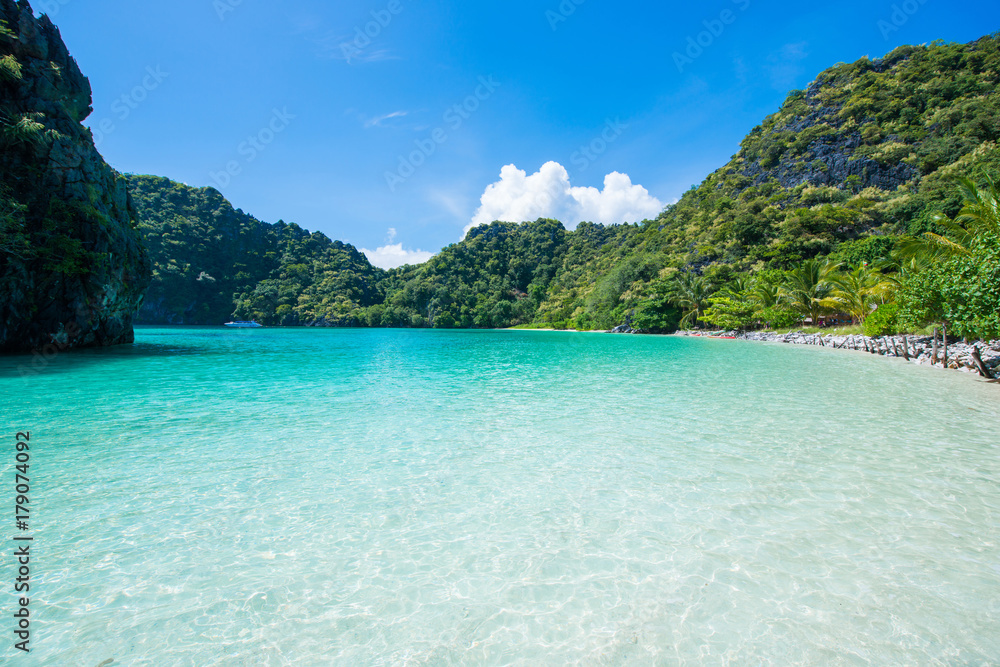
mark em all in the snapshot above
pixel 983 370
pixel 944 336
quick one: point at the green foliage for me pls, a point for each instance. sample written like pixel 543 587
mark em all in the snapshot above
pixel 883 322
pixel 604 304
pixel 5 31
pixel 14 239
pixel 865 251
pixel 958 282
pixel 970 291
pixel 807 289
pixel 732 314
pixel 920 299
pixel 778 317
pixel 10 68
pixel 858 292
pixel 657 316
pixel 25 128
pixel 211 263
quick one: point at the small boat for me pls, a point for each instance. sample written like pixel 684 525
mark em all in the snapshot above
pixel 244 325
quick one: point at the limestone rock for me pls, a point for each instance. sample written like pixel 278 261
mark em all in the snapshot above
pixel 73 268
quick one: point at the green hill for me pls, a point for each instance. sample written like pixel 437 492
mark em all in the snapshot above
pixel 207 256
pixel 849 169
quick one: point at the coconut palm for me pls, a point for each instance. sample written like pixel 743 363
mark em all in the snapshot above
pixel 691 293
pixel 807 288
pixel 858 292
pixel 765 293
pixel 980 215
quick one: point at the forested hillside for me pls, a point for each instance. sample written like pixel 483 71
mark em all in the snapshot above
pixel 206 254
pixel 859 172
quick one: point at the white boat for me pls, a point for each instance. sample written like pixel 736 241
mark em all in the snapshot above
pixel 244 325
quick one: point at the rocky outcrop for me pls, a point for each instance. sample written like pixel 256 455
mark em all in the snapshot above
pixel 832 163
pixel 73 268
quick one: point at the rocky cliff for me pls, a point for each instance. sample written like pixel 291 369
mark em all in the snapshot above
pixel 73 268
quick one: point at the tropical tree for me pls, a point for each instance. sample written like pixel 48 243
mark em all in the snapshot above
pixel 961 287
pixel 979 216
pixel 807 288
pixel 691 293
pixel 766 293
pixel 858 292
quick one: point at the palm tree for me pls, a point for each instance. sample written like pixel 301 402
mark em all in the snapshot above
pixel 858 292
pixel 691 292
pixel 808 287
pixel 766 294
pixel 979 215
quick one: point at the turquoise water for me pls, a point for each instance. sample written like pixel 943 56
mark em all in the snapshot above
pixel 316 497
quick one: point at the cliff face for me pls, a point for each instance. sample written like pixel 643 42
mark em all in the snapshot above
pixel 73 268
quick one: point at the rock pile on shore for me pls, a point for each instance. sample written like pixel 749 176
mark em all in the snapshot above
pixel 923 350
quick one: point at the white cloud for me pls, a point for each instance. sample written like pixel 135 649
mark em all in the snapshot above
pixel 379 120
pixel 392 255
pixel 518 197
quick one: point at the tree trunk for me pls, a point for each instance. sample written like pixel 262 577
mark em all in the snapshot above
pixel 983 370
pixel 934 348
pixel 906 348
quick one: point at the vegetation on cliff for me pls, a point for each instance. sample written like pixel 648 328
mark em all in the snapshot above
pixel 72 265
pixel 206 254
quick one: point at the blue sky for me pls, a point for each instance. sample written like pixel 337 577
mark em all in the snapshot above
pixel 396 139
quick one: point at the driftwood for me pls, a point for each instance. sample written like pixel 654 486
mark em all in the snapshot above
pixel 906 348
pixel 983 370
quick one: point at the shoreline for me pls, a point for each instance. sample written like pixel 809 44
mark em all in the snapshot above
pixel 920 350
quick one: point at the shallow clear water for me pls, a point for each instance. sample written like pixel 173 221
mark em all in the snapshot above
pixel 315 497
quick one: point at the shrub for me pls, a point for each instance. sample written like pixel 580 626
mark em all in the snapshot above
pixel 883 321
pixel 777 317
